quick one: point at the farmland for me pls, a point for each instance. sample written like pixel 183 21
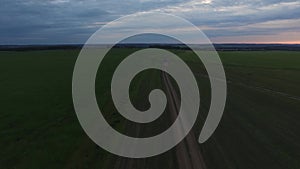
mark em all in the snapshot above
pixel 39 127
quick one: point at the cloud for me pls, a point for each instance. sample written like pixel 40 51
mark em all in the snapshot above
pixel 241 18
pixel 73 21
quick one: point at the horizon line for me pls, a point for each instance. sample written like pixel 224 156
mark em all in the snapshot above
pixel 226 43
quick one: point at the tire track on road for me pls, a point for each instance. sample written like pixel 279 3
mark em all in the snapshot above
pixel 187 152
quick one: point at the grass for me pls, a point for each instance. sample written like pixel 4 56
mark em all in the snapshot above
pixel 39 128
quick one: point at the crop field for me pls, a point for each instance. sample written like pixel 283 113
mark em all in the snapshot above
pixel 39 128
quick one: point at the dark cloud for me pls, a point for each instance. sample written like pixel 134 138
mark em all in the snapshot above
pixel 73 21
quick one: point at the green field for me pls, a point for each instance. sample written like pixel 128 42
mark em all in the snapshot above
pixel 39 128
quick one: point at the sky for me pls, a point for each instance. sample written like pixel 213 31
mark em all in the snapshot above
pixel 223 21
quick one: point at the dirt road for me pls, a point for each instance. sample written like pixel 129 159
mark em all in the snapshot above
pixel 186 155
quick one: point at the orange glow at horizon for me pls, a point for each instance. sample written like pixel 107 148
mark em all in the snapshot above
pixel 282 38
pixel 253 42
pixel 286 42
